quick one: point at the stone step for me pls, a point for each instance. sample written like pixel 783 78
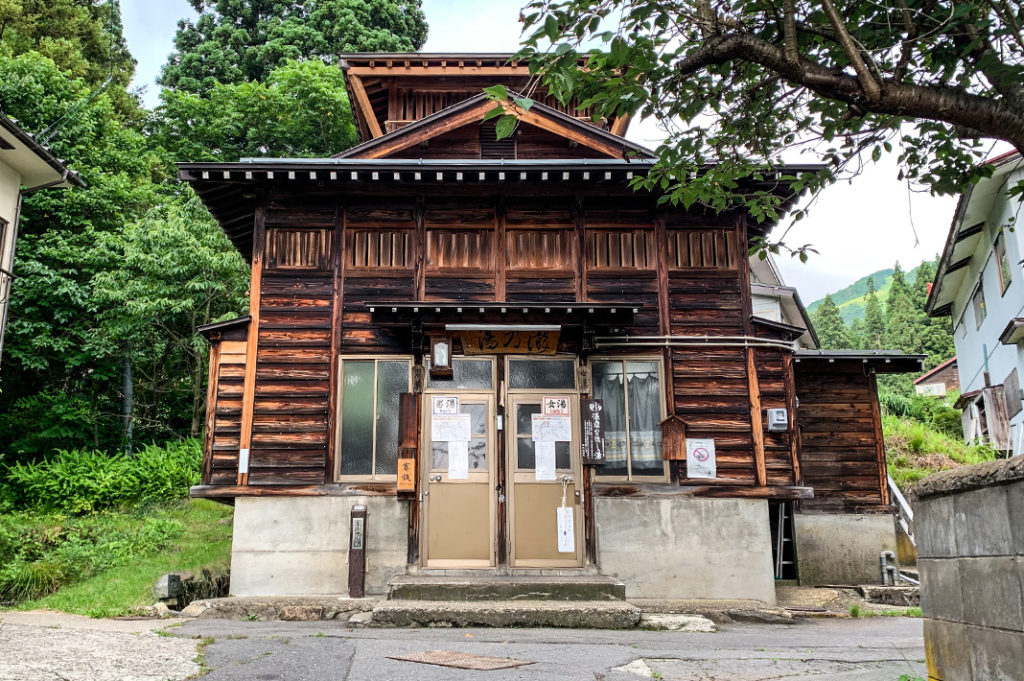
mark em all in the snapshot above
pixel 505 588
pixel 571 614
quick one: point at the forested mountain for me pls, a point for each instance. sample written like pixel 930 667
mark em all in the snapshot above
pixel 892 317
pixel 851 299
pixel 113 278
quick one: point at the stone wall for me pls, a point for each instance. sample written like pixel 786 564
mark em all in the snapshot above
pixel 286 546
pixel 842 548
pixel 970 540
pixel 685 547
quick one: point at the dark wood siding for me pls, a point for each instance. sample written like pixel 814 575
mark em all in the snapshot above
pixel 467 244
pixel 840 453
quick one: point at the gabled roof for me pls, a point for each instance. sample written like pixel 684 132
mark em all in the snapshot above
pixel 471 111
pixel 928 374
pixel 36 163
pixel 968 227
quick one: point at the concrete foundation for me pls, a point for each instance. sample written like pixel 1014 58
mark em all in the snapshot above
pixel 842 548
pixel 285 546
pixel 684 547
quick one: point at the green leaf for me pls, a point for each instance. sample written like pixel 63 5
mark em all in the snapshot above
pixel 523 103
pixel 505 126
pixel 498 91
pixel 494 113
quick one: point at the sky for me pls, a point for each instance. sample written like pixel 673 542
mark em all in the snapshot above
pixel 857 228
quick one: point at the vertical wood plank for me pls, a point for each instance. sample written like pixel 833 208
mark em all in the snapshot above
pixel 213 380
pixel 876 417
pixel 500 257
pixel 756 427
pixel 790 382
pixel 421 248
pixel 259 239
pixel 580 250
pixel 337 260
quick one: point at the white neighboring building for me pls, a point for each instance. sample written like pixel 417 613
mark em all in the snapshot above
pixel 771 299
pixel 25 166
pixel 980 285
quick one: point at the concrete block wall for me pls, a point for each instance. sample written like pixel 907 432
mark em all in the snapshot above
pixel 685 547
pixel 288 546
pixel 970 541
pixel 842 548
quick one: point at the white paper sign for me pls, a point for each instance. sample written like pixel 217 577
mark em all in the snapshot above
pixel 458 460
pixel 566 531
pixel 551 428
pixel 544 465
pixel 444 405
pixel 556 405
pixel 700 459
pixel 450 427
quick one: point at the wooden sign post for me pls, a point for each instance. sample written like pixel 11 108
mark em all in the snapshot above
pixel 673 439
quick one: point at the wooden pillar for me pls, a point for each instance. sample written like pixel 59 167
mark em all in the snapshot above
pixel 876 418
pixel 756 425
pixel 259 238
pixel 789 378
pixel 338 298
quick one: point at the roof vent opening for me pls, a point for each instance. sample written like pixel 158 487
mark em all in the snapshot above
pixel 493 148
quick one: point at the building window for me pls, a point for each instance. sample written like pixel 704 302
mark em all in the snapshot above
pixel 630 390
pixel 978 300
pixel 370 395
pixel 1002 262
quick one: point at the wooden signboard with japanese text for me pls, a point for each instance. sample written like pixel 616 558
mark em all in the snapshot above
pixel 592 431
pixel 510 342
pixel 408 449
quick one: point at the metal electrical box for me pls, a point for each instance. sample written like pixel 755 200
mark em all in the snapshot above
pixel 778 421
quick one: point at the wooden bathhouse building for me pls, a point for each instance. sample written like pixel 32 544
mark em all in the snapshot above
pixel 465 353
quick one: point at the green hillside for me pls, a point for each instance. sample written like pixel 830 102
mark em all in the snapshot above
pixel 850 300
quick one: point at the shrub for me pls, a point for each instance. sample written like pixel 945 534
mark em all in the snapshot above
pixel 80 481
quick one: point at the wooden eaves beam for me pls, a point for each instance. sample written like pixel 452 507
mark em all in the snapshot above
pixel 364 104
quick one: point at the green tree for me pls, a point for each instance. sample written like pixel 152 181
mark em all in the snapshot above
pixel 84 38
pixel 301 110
pixel 744 84
pixel 901 315
pixel 61 368
pixel 235 41
pixel 179 272
pixel 828 323
pixel 934 335
pixel 855 333
pixel 874 321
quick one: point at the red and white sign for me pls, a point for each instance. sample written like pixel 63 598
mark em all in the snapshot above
pixel 700 458
pixel 556 406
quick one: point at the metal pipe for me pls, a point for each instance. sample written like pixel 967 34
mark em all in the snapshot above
pixel 698 344
pixel 888 571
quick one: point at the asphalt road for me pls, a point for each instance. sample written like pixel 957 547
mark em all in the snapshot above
pixel 872 649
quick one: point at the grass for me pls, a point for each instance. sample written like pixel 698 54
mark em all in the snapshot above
pixel 915 451
pixel 195 539
pixel 856 611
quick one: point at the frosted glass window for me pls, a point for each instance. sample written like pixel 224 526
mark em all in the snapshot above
pixel 371 392
pixel 630 391
pixel 526 455
pixel 467 374
pixel 542 374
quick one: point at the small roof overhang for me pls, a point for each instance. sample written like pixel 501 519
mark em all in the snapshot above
pixel 928 374
pixel 36 163
pixel 1013 333
pixel 208 330
pixel 968 228
pixel 788 331
pixel 499 315
pixel 881 361
pixel 792 309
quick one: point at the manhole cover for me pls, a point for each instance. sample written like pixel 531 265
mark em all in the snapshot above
pixel 450 658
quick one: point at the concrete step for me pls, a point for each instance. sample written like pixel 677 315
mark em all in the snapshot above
pixel 571 614
pixel 505 588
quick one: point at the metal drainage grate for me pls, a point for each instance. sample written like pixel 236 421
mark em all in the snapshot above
pixel 451 658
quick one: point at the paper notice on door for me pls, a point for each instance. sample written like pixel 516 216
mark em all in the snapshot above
pixel 458 459
pixel 551 428
pixel 566 531
pixel 544 464
pixel 450 427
